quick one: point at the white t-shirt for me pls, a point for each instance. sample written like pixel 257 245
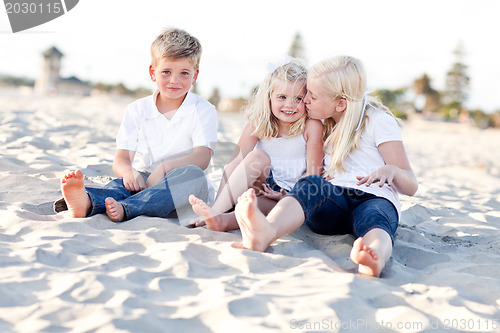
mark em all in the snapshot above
pixel 288 158
pixel 366 159
pixel 155 139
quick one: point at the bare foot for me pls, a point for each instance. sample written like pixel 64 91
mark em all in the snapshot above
pixel 208 216
pixel 114 210
pixel 367 259
pixel 75 195
pixel 195 223
pixel 256 231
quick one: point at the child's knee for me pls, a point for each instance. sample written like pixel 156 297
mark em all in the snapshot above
pixel 186 172
pixel 259 155
pixel 315 182
pixel 194 170
pixel 186 180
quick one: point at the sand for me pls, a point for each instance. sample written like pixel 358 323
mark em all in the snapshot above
pixel 62 274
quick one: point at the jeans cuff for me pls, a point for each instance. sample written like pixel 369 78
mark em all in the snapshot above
pixel 95 208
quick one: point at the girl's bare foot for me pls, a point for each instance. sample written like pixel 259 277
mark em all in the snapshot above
pixel 197 222
pixel 367 259
pixel 213 220
pixel 114 210
pixel 256 231
pixel 75 195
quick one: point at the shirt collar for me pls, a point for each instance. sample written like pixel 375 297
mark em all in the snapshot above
pixel 152 111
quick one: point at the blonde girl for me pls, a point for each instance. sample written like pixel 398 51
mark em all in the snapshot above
pixel 278 146
pixel 367 167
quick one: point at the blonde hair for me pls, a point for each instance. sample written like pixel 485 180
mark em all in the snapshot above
pixel 258 110
pixel 344 77
pixel 176 44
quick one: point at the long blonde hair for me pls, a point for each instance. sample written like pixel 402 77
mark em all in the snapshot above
pixel 344 77
pixel 258 110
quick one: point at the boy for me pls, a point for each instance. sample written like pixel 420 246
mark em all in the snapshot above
pixel 164 143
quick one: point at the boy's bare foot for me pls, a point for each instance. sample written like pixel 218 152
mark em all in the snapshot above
pixel 73 190
pixel 367 259
pixel 114 210
pixel 256 231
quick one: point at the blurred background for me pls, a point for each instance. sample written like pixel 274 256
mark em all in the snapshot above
pixel 436 59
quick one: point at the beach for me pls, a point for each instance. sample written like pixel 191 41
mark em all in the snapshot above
pixel 63 274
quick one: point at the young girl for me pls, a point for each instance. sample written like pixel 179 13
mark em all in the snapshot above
pixel 287 147
pixel 367 167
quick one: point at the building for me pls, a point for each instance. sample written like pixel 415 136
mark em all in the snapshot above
pixel 51 83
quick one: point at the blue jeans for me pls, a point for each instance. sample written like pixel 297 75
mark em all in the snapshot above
pixel 331 210
pixel 159 200
pixel 270 181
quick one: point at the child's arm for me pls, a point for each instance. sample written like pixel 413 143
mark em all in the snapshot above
pixel 313 134
pixel 122 167
pixel 397 172
pixel 246 144
pixel 200 157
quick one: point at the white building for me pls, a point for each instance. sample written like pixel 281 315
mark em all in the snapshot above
pixel 51 83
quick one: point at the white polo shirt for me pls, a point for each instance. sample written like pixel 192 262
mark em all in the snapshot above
pixel 366 159
pixel 155 139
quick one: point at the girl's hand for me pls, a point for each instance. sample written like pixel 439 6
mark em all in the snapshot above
pixel 269 193
pixel 133 181
pixel 328 178
pixel 384 175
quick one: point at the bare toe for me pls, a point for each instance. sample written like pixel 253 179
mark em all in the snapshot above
pixel 193 200
pixel 195 223
pixel 366 258
pixel 75 195
pixel 256 231
pixel 114 210
pixel 207 216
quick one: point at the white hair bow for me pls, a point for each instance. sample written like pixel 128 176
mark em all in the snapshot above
pixel 363 110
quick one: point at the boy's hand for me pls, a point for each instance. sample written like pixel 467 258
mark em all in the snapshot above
pixel 272 194
pixel 134 182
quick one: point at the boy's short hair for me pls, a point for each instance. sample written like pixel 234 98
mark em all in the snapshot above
pixel 176 44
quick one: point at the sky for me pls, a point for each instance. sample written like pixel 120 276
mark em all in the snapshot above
pixel 398 41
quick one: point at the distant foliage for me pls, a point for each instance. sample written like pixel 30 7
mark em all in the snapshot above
pixel 297 49
pixel 13 81
pixel 194 89
pixel 457 79
pixel 120 89
pixel 215 97
pixel 432 97
pixel 395 100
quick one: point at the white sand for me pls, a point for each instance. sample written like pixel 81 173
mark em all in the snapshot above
pixel 60 274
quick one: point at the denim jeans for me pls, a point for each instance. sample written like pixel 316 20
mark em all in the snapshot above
pixel 330 209
pixel 270 181
pixel 159 200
